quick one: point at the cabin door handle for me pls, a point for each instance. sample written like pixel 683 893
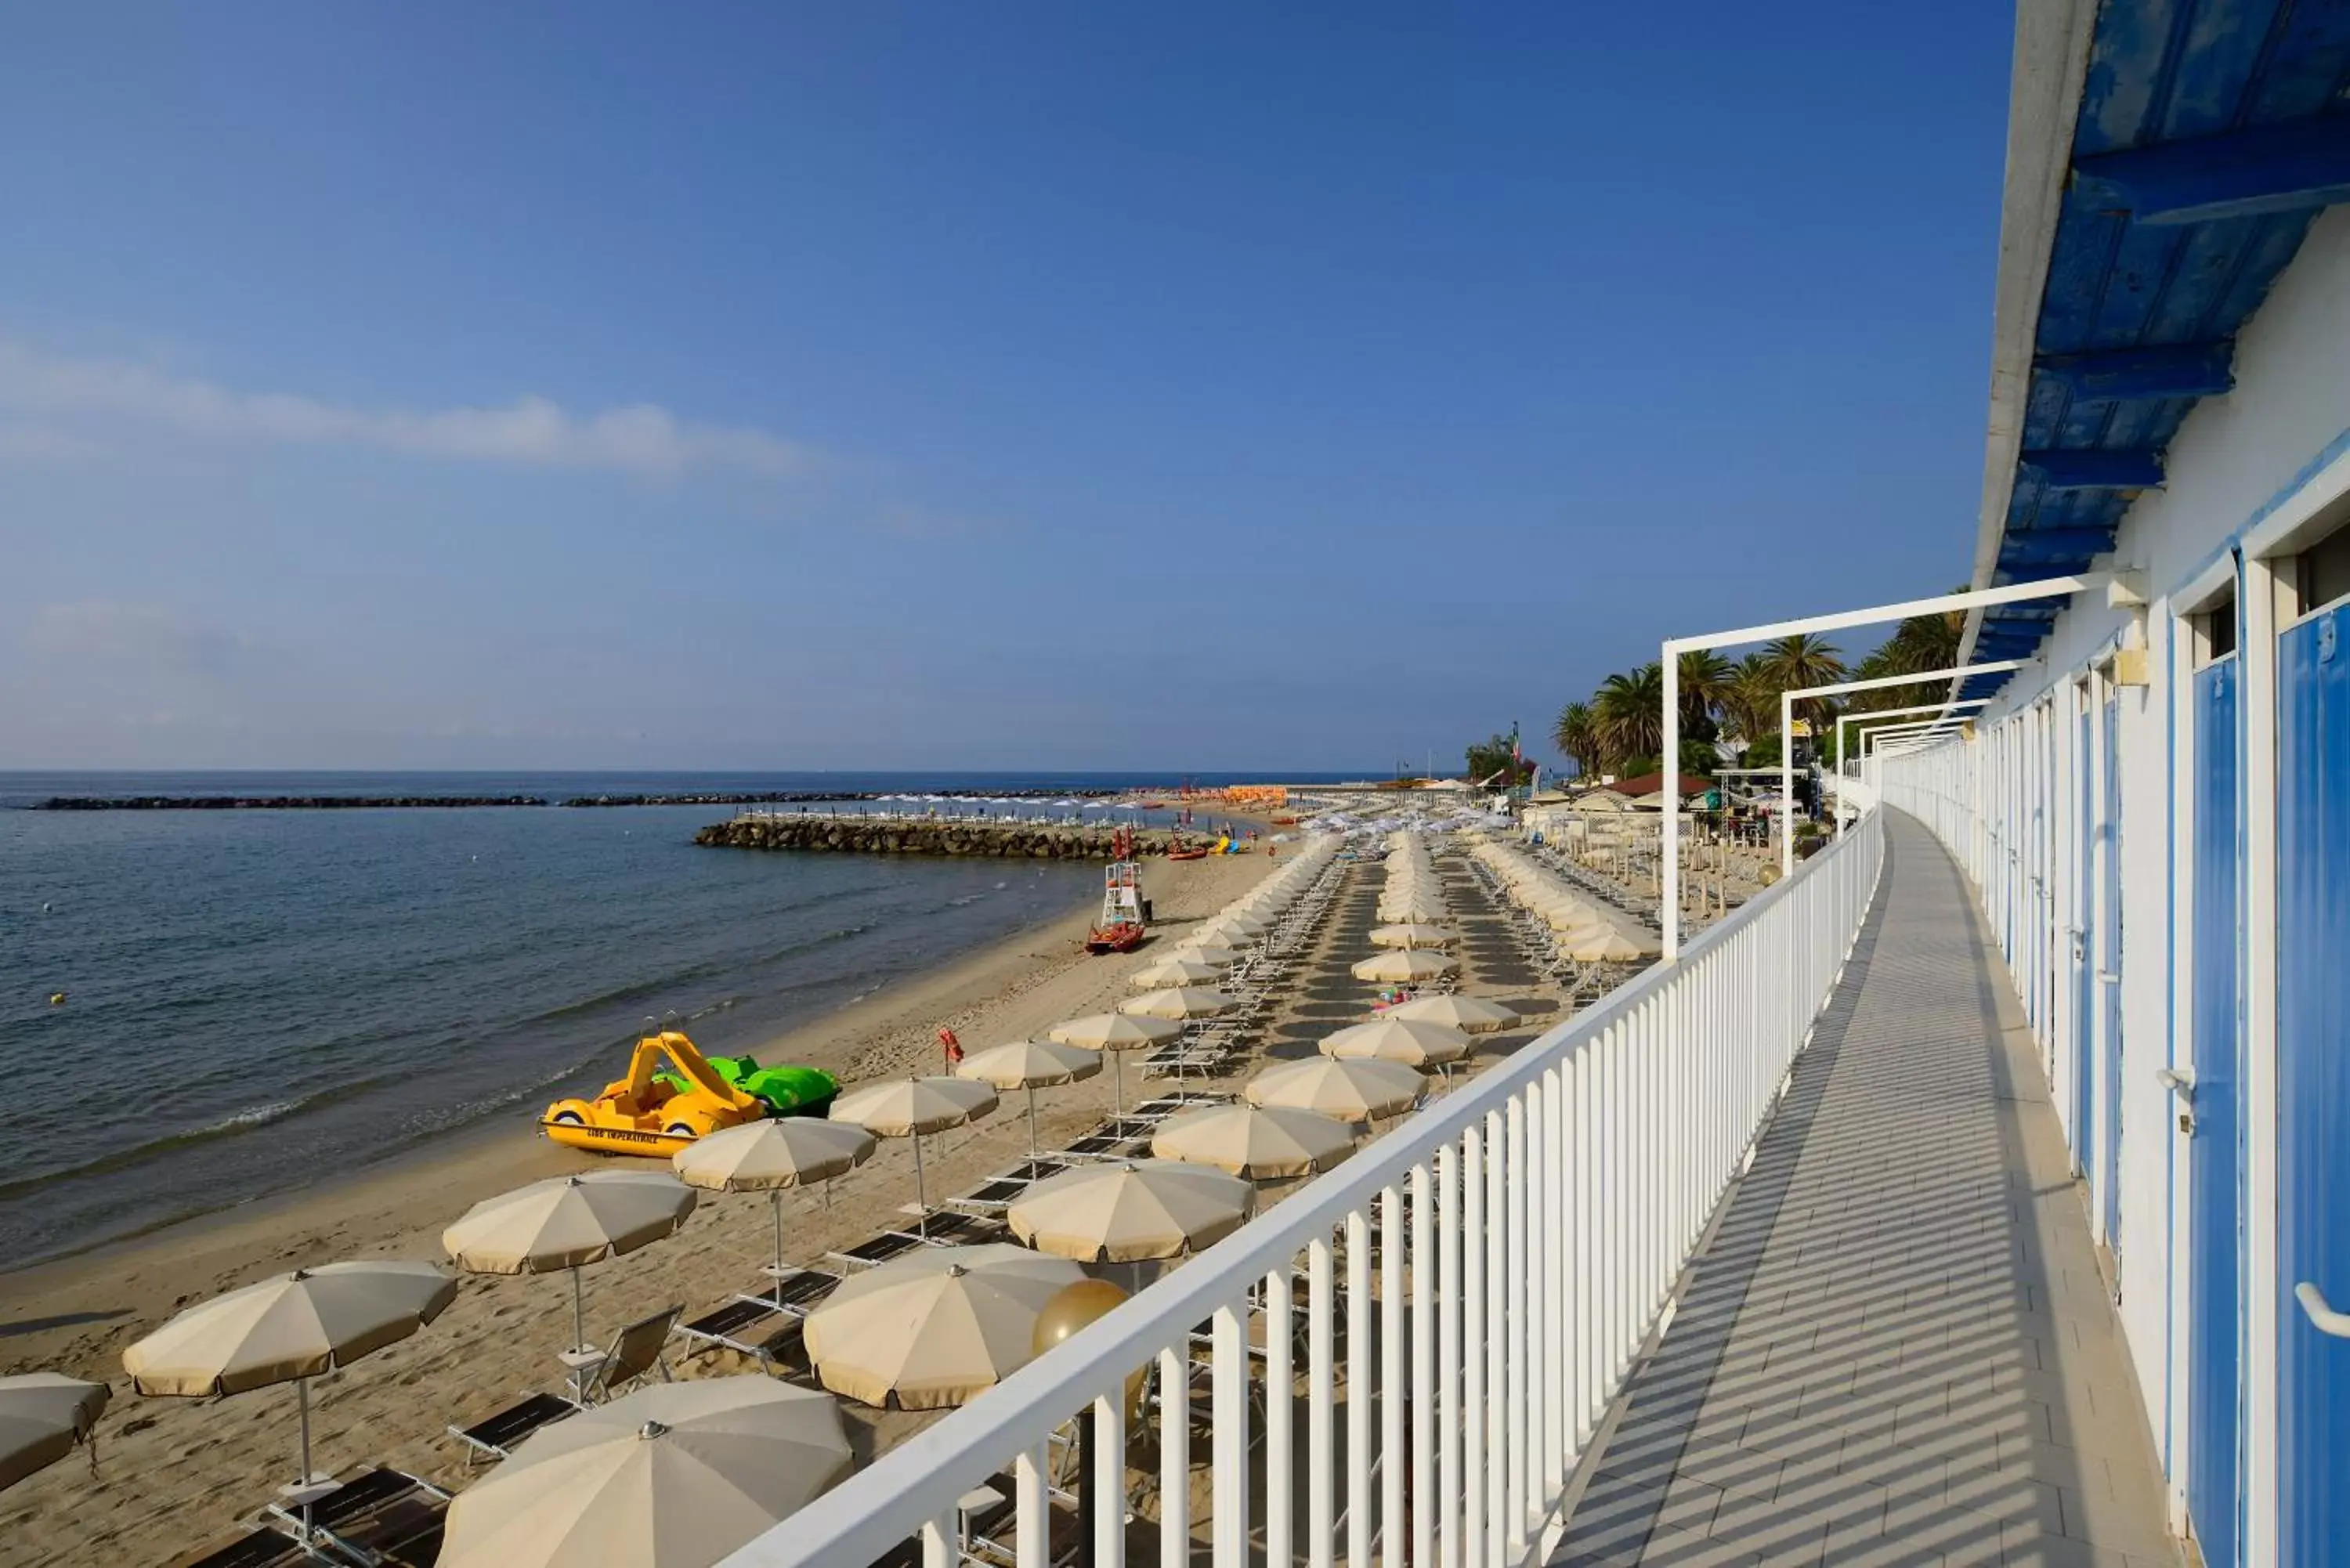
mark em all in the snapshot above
pixel 2328 1321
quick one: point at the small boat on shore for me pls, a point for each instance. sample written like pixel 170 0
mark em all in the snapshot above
pixel 643 1115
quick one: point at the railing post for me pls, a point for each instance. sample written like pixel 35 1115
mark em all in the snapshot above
pixel 1175 1454
pixel 1228 1336
pixel 1280 1407
pixel 1321 1416
pixel 1392 1460
pixel 1359 1390
pixel 1423 1367
pixel 1448 1356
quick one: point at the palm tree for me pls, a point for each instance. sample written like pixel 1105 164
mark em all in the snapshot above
pixel 1801 661
pixel 1705 678
pixel 1576 735
pixel 1631 713
pixel 1750 705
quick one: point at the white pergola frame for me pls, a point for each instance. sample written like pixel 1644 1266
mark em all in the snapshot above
pixel 1668 871
pixel 1788 699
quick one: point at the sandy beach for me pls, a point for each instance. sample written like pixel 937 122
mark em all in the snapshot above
pixel 174 1474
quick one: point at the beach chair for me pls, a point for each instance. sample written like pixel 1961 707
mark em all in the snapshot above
pixel 748 1325
pixel 947 1228
pixel 260 1547
pixel 875 1250
pixel 635 1352
pixel 495 1436
pixel 383 1519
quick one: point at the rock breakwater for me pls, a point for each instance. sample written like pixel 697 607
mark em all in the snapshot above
pixel 899 836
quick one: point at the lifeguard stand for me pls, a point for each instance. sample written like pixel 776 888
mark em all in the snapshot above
pixel 1119 926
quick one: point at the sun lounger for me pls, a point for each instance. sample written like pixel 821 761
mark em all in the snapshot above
pixel 257 1548
pixel 495 1436
pixel 799 1289
pixel 952 1229
pixel 635 1352
pixel 383 1519
pixel 738 1326
pixel 876 1250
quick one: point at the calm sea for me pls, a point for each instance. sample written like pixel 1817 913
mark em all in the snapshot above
pixel 256 998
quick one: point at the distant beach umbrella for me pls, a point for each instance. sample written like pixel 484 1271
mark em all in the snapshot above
pixel 568 1223
pixel 934 1327
pixel 1213 954
pixel 911 1107
pixel 290 1329
pixel 1174 969
pixel 1398 1040
pixel 1116 1031
pixel 1407 966
pixel 1256 1142
pixel 43 1414
pixel 1128 1212
pixel 1181 1001
pixel 771 1156
pixel 1357 1089
pixel 1413 936
pixel 1030 1064
pixel 1470 1014
pixel 677 1475
pixel 1413 912
pixel 1246 924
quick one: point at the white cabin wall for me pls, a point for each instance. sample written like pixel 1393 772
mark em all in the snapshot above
pixel 2236 458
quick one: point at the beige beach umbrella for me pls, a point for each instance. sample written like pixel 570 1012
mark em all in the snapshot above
pixel 1413 912
pixel 678 1475
pixel 1213 954
pixel 1356 1088
pixel 1030 1064
pixel 1254 1141
pixel 1239 924
pixel 1116 1031
pixel 290 1329
pixel 568 1223
pixel 1398 1040
pixel 1125 1211
pixel 910 1107
pixel 1470 1014
pixel 1407 966
pixel 771 1155
pixel 1180 1002
pixel 936 1327
pixel 1608 943
pixel 42 1416
pixel 1172 971
pixel 1412 935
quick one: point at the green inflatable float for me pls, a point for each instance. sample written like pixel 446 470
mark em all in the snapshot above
pixel 788 1091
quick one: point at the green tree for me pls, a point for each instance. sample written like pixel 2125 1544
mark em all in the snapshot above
pixel 1705 680
pixel 1576 735
pixel 1631 713
pixel 1490 758
pixel 1751 705
pixel 1801 661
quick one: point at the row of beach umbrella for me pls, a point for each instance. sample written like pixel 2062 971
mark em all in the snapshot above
pixel 1582 929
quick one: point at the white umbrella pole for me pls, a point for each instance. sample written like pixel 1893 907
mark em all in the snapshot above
pixel 579 1311
pixel 921 1202
pixel 1118 1095
pixel 1032 1121
pixel 777 1194
pixel 302 1398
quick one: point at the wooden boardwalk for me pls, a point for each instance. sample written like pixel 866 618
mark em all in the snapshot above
pixel 1896 1346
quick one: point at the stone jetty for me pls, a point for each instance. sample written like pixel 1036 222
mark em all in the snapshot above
pixel 916 835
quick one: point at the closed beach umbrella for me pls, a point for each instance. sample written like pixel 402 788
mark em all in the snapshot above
pixel 1215 955
pixel 1128 1211
pixel 678 1475
pixel 289 1329
pixel 1407 966
pixel 1412 911
pixel 1413 936
pixel 1253 1141
pixel 1398 1040
pixel 1470 1014
pixel 1180 1002
pixel 936 1327
pixel 1116 1031
pixel 769 1156
pixel 1030 1064
pixel 1355 1088
pixel 910 1107
pixel 42 1416
pixel 568 1223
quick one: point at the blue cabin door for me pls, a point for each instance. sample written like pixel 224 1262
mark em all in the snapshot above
pixel 2313 935
pixel 2083 971
pixel 2109 962
pixel 2215 1227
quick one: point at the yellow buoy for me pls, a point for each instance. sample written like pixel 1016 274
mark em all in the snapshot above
pixel 57 999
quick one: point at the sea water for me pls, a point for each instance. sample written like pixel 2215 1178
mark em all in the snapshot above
pixel 257 1000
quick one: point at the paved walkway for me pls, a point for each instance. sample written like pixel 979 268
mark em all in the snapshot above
pixel 1897 1347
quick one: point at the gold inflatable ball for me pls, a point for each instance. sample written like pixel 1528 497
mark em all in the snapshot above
pixel 1071 1309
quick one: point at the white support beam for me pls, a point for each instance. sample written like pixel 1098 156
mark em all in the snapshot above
pixel 1669 870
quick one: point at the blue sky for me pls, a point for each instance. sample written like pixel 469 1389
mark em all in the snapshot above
pixel 1210 386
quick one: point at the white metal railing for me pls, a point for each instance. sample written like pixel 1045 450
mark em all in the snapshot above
pixel 1527 1233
